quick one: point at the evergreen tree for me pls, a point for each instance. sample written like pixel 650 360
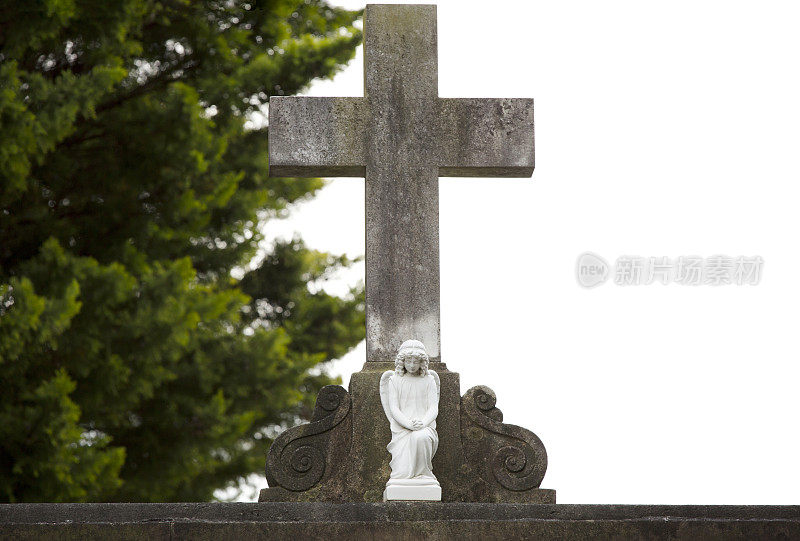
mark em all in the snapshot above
pixel 135 365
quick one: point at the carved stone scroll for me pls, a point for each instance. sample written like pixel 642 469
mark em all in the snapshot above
pixel 298 457
pixel 508 455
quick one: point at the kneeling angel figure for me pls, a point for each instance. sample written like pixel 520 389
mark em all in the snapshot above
pixel 410 399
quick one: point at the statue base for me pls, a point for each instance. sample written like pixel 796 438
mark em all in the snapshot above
pixel 341 456
pixel 413 492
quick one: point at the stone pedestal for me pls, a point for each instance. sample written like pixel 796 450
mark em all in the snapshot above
pixel 341 456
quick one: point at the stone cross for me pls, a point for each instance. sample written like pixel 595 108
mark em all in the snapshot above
pixel 401 136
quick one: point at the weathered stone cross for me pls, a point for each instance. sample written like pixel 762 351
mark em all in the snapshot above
pixel 401 136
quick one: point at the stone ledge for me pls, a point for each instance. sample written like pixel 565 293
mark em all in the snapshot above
pixel 394 520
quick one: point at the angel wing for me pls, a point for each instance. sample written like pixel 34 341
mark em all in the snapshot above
pixel 385 377
pixel 438 383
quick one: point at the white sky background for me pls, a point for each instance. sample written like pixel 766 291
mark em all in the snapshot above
pixel 662 129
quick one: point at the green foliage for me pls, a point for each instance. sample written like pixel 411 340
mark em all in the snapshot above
pixel 133 181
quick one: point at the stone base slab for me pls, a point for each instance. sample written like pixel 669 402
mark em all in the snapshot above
pixel 395 520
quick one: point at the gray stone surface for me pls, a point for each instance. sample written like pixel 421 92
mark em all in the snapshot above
pixel 301 458
pixel 395 521
pixel 317 136
pixel 401 136
pixel 485 137
pixel 402 183
pixel 510 460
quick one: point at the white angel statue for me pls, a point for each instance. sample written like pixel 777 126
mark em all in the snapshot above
pixel 410 398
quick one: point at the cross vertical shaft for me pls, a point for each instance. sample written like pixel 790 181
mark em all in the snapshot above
pixel 402 192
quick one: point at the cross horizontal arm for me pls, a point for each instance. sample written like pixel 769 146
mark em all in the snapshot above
pixel 317 137
pixel 480 137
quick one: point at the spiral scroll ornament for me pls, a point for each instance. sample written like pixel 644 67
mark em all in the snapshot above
pixel 297 459
pixel 518 457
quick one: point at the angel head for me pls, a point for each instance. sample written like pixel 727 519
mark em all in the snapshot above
pixel 411 358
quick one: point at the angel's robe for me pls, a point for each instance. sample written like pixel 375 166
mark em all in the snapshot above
pixel 416 397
